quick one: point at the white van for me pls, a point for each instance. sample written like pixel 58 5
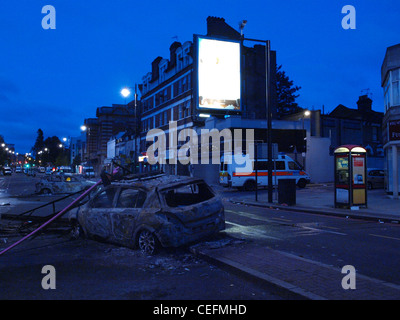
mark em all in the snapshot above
pixel 284 167
pixel 64 169
pixel 88 172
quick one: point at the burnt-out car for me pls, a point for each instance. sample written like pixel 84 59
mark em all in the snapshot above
pixel 60 183
pixel 163 211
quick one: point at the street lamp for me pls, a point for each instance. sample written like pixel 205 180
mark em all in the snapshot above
pixel 125 92
pixel 306 114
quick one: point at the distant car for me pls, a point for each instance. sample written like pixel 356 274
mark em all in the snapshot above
pixel 88 172
pixel 62 184
pixel 7 171
pixel 31 172
pixel 18 169
pixel 375 178
pixel 42 169
pixel 165 211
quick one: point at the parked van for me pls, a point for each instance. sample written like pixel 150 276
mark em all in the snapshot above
pixel 238 176
pixel 88 172
pixel 64 169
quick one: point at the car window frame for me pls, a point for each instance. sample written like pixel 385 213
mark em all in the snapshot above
pixel 121 189
pixel 91 201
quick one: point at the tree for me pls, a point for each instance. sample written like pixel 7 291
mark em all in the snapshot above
pixel 286 94
pixel 3 153
pixel 52 150
pixel 39 143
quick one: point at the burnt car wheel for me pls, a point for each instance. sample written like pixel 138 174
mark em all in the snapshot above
pixel 147 242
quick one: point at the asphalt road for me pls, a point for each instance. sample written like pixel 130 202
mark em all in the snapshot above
pixel 91 270
pixel 372 248
pixel 86 269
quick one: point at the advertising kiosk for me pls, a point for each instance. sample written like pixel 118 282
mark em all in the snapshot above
pixel 350 176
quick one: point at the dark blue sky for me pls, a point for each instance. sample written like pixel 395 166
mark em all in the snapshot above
pixel 54 79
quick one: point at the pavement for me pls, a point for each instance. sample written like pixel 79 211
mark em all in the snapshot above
pixel 319 198
pixel 297 277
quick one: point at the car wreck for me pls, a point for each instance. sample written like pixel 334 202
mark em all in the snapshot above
pixel 153 212
pixel 62 183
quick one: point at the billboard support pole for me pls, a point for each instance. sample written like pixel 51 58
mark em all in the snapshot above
pixel 268 111
pixel 269 118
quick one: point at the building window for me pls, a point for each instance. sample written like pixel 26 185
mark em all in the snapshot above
pixel 374 133
pixel 166 117
pixel 180 111
pixel 179 60
pixel 396 87
pixel 386 94
pixel 162 72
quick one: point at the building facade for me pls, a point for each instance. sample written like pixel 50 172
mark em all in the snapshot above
pixel 108 122
pixel 390 82
pixel 77 147
pixel 168 93
pixel 360 126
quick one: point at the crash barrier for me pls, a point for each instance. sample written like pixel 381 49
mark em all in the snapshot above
pixel 53 218
pixel 27 215
pixel 105 179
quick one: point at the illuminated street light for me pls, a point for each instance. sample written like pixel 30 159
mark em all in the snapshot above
pixel 125 92
pixel 307 113
pixel 83 128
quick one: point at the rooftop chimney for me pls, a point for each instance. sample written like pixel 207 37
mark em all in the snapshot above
pixel 364 103
pixel 218 27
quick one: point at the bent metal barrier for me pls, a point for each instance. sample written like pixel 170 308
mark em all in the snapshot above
pixel 104 180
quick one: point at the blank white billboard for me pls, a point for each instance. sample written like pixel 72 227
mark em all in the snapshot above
pixel 218 74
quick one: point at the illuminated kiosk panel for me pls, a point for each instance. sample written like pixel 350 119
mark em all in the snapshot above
pixel 350 176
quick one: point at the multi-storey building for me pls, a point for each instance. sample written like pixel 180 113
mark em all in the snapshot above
pixel 168 92
pixel 108 122
pixel 390 81
pixel 77 147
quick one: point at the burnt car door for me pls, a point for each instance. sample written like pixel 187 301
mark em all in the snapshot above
pixel 124 216
pixel 95 217
pixel 56 184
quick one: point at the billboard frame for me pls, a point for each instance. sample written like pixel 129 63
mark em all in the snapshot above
pixel 195 79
